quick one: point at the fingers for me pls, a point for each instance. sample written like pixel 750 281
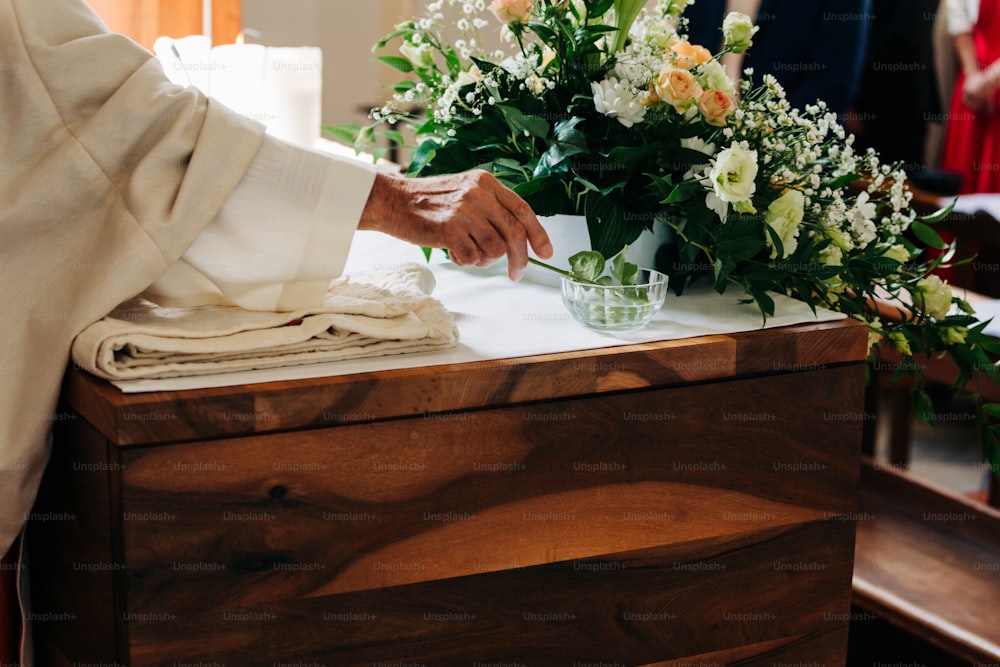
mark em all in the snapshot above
pixel 514 225
pixel 471 214
pixel 519 208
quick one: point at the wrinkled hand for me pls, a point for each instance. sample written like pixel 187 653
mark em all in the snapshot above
pixel 979 92
pixel 471 214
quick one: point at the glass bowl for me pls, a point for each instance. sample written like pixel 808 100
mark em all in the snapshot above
pixel 616 307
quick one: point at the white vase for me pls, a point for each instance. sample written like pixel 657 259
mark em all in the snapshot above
pixel 569 235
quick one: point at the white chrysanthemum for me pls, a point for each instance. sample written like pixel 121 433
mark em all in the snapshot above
pixel 618 101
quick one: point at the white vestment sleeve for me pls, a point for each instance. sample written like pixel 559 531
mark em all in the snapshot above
pixel 280 238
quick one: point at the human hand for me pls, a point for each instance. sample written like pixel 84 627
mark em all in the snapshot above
pixel 471 214
pixel 979 92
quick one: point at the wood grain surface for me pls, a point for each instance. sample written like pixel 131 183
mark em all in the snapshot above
pixel 667 503
pixel 166 417
pixel 929 563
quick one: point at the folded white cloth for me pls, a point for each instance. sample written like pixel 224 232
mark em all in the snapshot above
pixel 383 313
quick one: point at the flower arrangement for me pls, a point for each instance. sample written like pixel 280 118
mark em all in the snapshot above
pixel 604 108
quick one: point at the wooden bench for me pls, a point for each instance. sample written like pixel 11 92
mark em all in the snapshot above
pixel 929 563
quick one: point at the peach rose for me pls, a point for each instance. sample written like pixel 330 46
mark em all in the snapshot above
pixel 677 86
pixel 511 11
pixel 715 107
pixel 686 55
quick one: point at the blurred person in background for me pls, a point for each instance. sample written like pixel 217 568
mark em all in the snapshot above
pixel 814 49
pixel 899 66
pixel 972 136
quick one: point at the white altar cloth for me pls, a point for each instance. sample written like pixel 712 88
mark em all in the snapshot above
pixel 498 319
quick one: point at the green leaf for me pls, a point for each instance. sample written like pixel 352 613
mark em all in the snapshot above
pixel 618 265
pixel 547 34
pixel 927 235
pixel 682 192
pixel 609 230
pixel 587 264
pixel 844 181
pixel 404 86
pixel 402 64
pixel 347 134
pixel 940 214
pixel 520 123
pixel 629 273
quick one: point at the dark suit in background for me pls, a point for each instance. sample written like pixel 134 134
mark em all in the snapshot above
pixel 814 48
pixel 898 96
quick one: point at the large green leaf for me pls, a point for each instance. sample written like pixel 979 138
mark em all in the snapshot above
pixel 519 123
pixel 609 230
pixel 402 64
pixel 926 234
pixel 940 214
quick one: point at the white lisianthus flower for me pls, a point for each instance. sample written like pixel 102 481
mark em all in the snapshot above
pixel 420 55
pixel 831 256
pixel 712 76
pixel 784 216
pixel 738 30
pixel 698 144
pixel 898 252
pixel 615 100
pixel 719 207
pixel 933 296
pixel 733 174
pixel 702 146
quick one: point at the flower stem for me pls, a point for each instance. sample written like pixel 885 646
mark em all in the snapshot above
pixel 561 272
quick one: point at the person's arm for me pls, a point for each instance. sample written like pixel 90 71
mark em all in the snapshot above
pixel 471 214
pixel 287 228
pixel 978 89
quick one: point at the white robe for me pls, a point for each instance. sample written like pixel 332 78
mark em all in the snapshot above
pixel 111 179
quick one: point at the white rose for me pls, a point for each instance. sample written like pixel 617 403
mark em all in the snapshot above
pixel 511 11
pixel 738 30
pixel 933 296
pixel 734 173
pixel 784 216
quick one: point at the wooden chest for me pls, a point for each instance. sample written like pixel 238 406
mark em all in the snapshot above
pixel 685 502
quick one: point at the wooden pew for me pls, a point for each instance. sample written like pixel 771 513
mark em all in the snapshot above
pixel 929 562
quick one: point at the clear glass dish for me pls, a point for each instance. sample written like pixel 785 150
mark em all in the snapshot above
pixel 616 307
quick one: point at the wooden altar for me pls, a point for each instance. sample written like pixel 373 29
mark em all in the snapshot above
pixel 683 502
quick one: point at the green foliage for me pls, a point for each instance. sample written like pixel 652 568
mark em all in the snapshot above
pixel 762 199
